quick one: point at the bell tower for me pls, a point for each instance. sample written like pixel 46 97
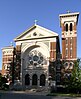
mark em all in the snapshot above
pixel 68 23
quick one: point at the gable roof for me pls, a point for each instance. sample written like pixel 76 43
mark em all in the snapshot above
pixel 49 32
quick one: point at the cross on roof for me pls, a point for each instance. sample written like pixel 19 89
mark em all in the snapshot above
pixel 35 21
pixel 68 11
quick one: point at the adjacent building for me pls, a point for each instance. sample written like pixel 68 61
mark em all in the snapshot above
pixel 8 62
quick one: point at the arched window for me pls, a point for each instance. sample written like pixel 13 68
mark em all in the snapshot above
pixel 27 79
pixel 71 27
pixel 5 66
pixel 66 27
pixel 34 79
pixel 66 65
pixel 42 80
pixel 71 65
pixel 67 75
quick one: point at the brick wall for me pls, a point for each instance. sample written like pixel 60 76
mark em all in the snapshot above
pixel 52 50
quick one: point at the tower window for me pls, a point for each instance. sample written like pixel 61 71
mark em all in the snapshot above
pixel 71 52
pixel 66 65
pixel 66 40
pixel 71 27
pixel 71 65
pixel 5 66
pixel 66 52
pixel 71 40
pixel 66 27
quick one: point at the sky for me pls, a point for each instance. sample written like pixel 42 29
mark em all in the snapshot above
pixel 16 16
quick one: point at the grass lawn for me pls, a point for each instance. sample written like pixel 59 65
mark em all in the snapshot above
pixel 64 94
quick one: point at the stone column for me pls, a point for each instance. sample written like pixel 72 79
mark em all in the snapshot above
pixel 30 80
pixel 38 80
pixel 47 76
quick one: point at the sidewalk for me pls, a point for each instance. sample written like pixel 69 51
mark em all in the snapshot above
pixel 30 92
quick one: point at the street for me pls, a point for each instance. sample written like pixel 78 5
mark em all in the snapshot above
pixel 14 95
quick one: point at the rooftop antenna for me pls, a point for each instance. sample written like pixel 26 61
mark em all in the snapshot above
pixel 35 22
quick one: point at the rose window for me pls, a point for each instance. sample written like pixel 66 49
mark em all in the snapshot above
pixel 36 58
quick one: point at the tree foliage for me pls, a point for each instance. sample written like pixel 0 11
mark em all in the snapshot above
pixel 74 83
pixel 3 83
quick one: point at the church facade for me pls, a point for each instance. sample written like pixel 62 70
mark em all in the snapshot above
pixel 36 59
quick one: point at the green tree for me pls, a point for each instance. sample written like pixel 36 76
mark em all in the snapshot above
pixel 74 83
pixel 3 81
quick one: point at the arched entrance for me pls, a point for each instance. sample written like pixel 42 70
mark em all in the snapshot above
pixel 34 79
pixel 27 79
pixel 42 80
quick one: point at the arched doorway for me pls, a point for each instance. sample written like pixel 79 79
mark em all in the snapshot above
pixel 42 80
pixel 27 79
pixel 34 79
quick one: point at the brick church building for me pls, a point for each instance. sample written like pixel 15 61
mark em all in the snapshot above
pixel 37 60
